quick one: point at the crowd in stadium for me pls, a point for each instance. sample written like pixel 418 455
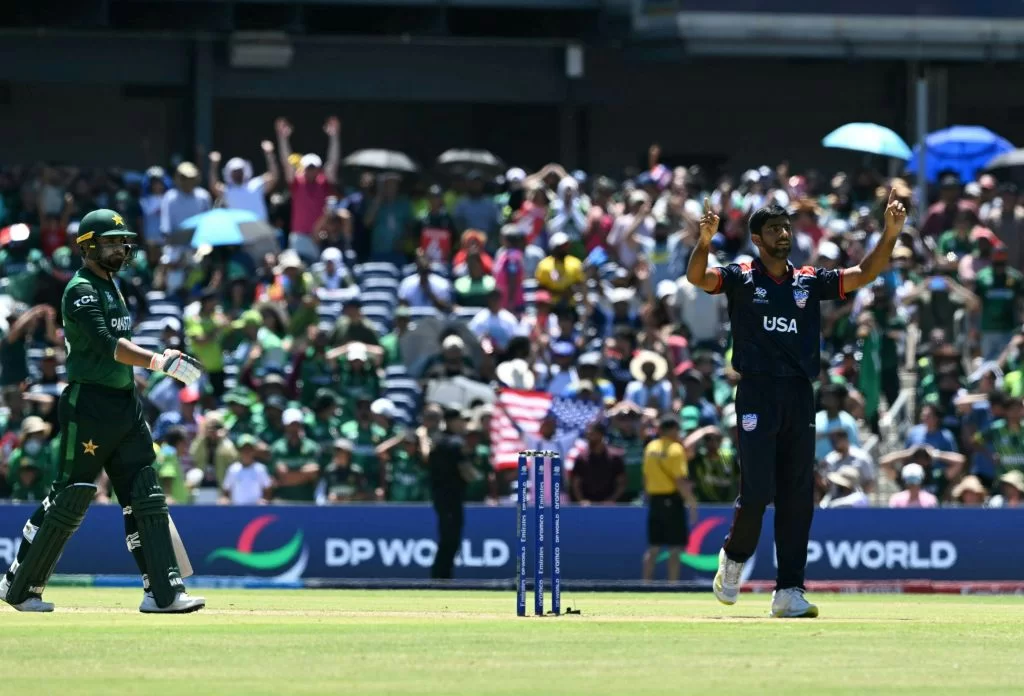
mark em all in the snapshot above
pixel 400 304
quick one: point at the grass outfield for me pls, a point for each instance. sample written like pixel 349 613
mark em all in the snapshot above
pixel 422 642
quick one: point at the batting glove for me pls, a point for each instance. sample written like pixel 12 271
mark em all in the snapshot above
pixel 181 367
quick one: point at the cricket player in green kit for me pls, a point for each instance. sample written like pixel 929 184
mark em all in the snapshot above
pixel 102 427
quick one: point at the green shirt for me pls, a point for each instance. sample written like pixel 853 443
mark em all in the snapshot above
pixel 1006 445
pixel 632 449
pixel 314 373
pixel 203 335
pixel 407 478
pixel 473 293
pixel 951 242
pixel 168 466
pixel 479 488
pixel 294 457
pixel 364 448
pixel 95 318
pixel 43 461
pixel 999 296
pixel 715 476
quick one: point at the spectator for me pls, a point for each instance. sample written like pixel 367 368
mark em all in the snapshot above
pixel 169 466
pixel 204 334
pixel 941 215
pixel 569 211
pixel 473 289
pixel 981 258
pixel 478 470
pixel 388 219
pixel 272 419
pixel 913 495
pixel 332 274
pixel 246 481
pixel 632 232
pixel 212 452
pixel 453 361
pixel 649 388
pixel 186 199
pixel 294 461
pixel 343 480
pixel 1003 440
pixel 942 468
pixel 599 474
pixel 352 326
pixel 241 418
pixel 831 415
pixel 29 468
pixel 312 370
pixel 846 491
pixel 712 464
pixel 1007 221
pixel 930 431
pixel 309 186
pixel 406 478
pixel 493 322
pixel 477 211
pixel 697 411
pixel 391 343
pixel 425 288
pixel 1011 491
pixel 366 436
pixel 472 242
pixel 1001 289
pixel 845 454
pixel 154 186
pixel 436 229
pixel 24 325
pixel 588 369
pixel 240 189
pixel 970 492
pixel 559 273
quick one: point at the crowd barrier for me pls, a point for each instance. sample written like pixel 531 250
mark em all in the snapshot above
pixel 295 544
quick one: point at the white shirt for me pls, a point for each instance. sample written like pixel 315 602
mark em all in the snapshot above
pixel 857 499
pixel 501 327
pixel 854 457
pixel 700 311
pixel 245 484
pixel 617 238
pixel 247 196
pixel 410 291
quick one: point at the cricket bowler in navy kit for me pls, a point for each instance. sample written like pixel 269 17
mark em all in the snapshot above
pixel 776 327
pixel 102 427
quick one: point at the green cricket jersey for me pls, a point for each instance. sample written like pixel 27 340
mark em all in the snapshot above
pixel 1006 444
pixel 365 438
pixel 407 478
pixel 294 457
pixel 999 295
pixel 95 317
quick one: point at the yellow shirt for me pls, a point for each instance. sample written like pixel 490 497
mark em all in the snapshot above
pixel 557 277
pixel 664 463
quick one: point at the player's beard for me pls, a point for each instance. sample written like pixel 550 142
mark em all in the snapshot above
pixel 778 251
pixel 113 260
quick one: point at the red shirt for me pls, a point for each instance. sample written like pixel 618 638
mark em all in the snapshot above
pixel 308 198
pixel 52 237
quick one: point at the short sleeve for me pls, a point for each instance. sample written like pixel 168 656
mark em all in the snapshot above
pixel 229 477
pixel 830 284
pixel 729 278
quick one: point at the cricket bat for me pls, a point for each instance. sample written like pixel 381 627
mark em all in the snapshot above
pixel 184 565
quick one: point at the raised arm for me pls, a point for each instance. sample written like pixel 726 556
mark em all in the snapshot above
pixel 333 130
pixel 697 272
pixel 284 148
pixel 878 258
pixel 273 172
pixel 216 187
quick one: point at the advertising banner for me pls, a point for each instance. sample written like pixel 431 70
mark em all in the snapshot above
pixel 293 543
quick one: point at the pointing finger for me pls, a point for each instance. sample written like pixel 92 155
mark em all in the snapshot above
pixel 707 204
pixel 892 195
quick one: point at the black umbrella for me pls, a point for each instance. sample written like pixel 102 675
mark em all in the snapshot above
pixel 458 162
pixel 383 160
pixel 1007 160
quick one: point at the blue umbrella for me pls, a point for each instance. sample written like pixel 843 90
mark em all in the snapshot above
pixel 218 227
pixel 961 149
pixel 868 137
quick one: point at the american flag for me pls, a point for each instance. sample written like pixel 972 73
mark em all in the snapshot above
pixel 527 409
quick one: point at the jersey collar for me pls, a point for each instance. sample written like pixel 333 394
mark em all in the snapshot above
pixel 778 279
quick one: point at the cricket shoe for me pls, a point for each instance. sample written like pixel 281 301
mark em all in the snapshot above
pixel 727 579
pixel 182 604
pixel 790 603
pixel 32 604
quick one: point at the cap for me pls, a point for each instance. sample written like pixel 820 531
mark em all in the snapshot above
pixel 357 351
pixel 102 223
pixel 311 161
pixel 913 474
pixel 829 250
pixel 558 239
pixel 515 174
pixel 246 440
pixel 383 407
pixel 453 341
pixel 591 359
pixel 188 170
pixel 332 254
pixel 292 415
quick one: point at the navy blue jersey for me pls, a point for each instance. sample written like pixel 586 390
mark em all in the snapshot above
pixel 776 322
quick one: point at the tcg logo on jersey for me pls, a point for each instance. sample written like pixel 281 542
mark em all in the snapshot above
pixel 779 324
pixel 760 296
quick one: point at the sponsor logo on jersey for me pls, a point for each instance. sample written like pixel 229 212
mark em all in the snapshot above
pixel 749 421
pixel 779 324
pixel 760 296
pixel 800 297
pixel 82 301
pixel 121 323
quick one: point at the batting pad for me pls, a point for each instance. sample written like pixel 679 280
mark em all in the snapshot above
pixel 62 519
pixel 149 506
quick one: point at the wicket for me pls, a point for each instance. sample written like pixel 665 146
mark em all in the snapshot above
pixel 539 523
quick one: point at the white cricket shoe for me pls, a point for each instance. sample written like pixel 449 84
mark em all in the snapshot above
pixel 727 580
pixel 32 604
pixel 182 604
pixel 790 603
